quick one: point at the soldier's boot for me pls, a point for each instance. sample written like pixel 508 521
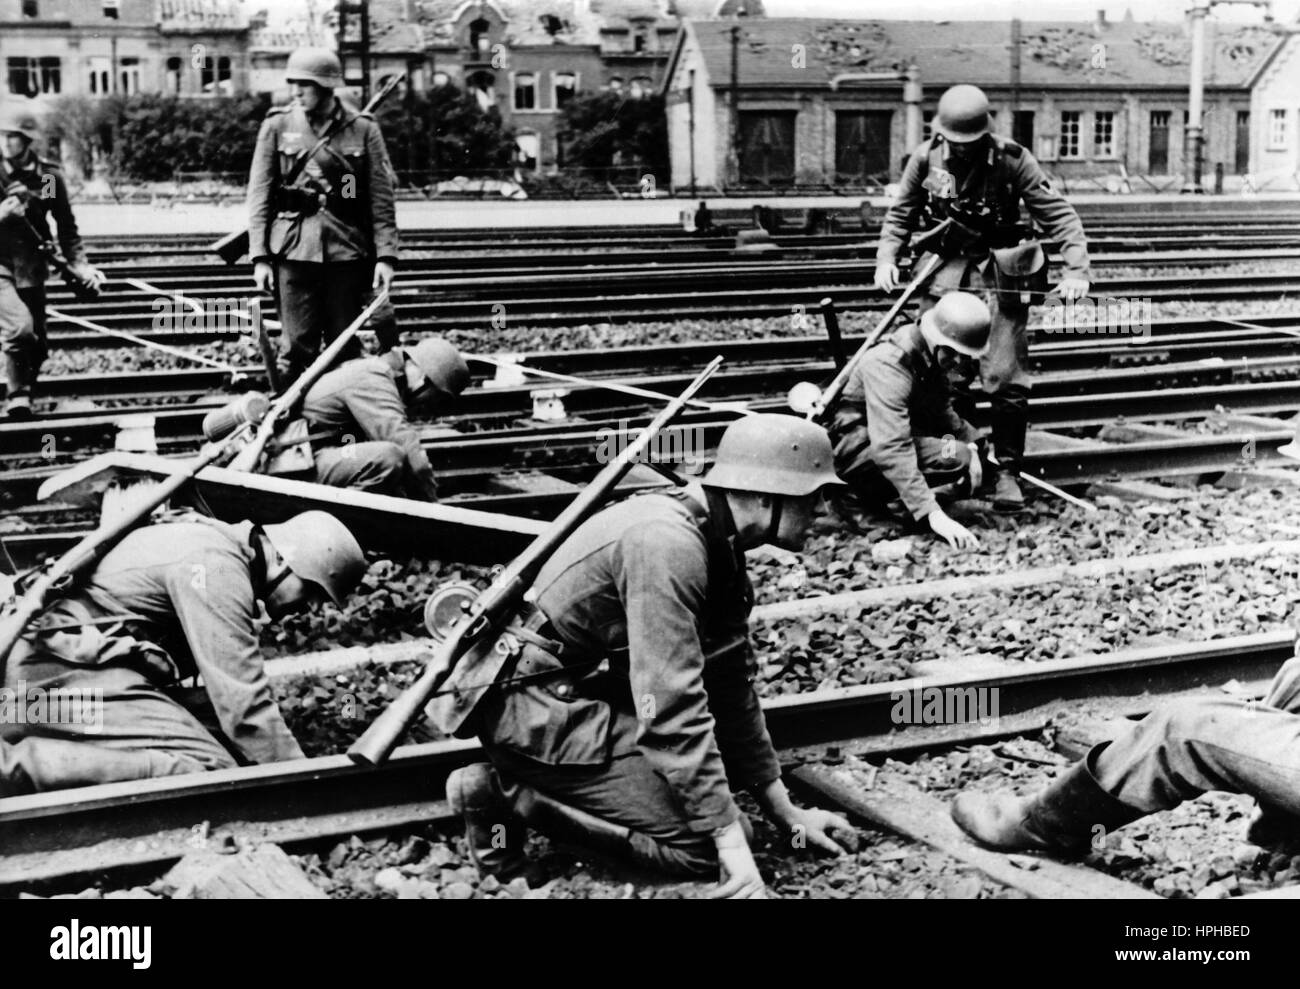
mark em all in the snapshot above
pixel 494 834
pixel 1010 421
pixel 569 826
pixel 20 377
pixel 1062 819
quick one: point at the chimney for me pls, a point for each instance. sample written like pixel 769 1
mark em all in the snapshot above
pixel 1100 24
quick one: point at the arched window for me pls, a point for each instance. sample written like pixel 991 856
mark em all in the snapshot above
pixel 525 91
pixel 479 38
pixel 566 87
pixel 174 75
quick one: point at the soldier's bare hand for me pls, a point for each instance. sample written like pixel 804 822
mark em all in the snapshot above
pixel 12 206
pixel 1072 288
pixel 814 826
pixel 886 277
pixel 91 275
pixel 976 468
pixel 264 277
pixel 383 280
pixel 953 532
pixel 740 878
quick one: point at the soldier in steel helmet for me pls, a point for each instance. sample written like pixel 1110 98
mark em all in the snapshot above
pixel 324 242
pixel 895 430
pixel 972 182
pixel 31 191
pixel 358 417
pixel 169 602
pixel 624 710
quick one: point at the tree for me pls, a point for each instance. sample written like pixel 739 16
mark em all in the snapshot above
pixel 610 129
pixel 444 133
pixel 82 128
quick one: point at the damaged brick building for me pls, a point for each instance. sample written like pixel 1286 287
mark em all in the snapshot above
pixel 1092 100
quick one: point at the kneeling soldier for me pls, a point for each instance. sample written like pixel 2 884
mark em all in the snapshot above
pixel 895 431
pixel 170 601
pixel 358 416
pixel 645 714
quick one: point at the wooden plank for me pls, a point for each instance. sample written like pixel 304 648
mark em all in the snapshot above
pixel 915 815
pixel 399 526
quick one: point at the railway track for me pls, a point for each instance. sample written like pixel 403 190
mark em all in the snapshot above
pixel 63 840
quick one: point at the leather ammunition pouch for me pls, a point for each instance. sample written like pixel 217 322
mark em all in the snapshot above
pixel 1019 275
pixel 298 199
pixel 291 451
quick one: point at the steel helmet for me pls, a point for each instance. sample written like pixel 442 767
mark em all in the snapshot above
pixel 441 364
pixel 773 454
pixel 319 548
pixel 963 114
pixel 318 65
pixel 22 122
pixel 959 320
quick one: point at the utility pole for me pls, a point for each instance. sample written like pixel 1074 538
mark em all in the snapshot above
pixel 733 149
pixel 1194 138
pixel 356 12
pixel 1015 74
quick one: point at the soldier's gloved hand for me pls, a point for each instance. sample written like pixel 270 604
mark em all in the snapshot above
pixel 1071 288
pixel 886 276
pixel 740 878
pixel 383 276
pixel 91 275
pixel 12 206
pixel 264 277
pixel 953 532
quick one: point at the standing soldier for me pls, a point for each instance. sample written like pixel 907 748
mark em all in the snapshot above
pixel 972 182
pixel 31 190
pixel 623 711
pixel 171 601
pixel 325 240
pixel 357 417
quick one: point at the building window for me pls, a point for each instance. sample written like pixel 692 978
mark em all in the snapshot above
pixel 565 85
pixel 225 76
pixel 128 75
pixel 766 152
pixel 97 78
pixel 440 79
pixel 482 84
pixel 1103 134
pixel 30 10
pixel 174 75
pixel 927 124
pixel 862 145
pixel 640 40
pixel 1242 161
pixel 1070 125
pixel 480 41
pixel 35 76
pixel 525 91
pixel 110 9
pixel 1022 128
pixel 1158 149
pixel 615 84
pixel 1277 130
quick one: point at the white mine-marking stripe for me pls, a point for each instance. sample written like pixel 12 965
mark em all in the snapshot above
pixel 334 661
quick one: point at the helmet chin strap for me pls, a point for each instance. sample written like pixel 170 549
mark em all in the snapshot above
pixel 774 524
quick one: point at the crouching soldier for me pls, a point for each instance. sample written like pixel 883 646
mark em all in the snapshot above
pixel 170 601
pixel 895 432
pixel 625 710
pixel 358 418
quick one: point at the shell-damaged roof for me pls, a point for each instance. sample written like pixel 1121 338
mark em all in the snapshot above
pixel 1055 54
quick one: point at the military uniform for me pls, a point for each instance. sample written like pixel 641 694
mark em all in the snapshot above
pixel 23 270
pixel 651 718
pixel 895 431
pixel 362 435
pixel 170 601
pixel 325 234
pixel 935 183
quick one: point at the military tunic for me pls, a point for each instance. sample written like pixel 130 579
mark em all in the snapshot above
pixel 366 439
pixel 895 431
pixel 170 601
pixel 1006 176
pixel 325 234
pixel 23 269
pixel 656 738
